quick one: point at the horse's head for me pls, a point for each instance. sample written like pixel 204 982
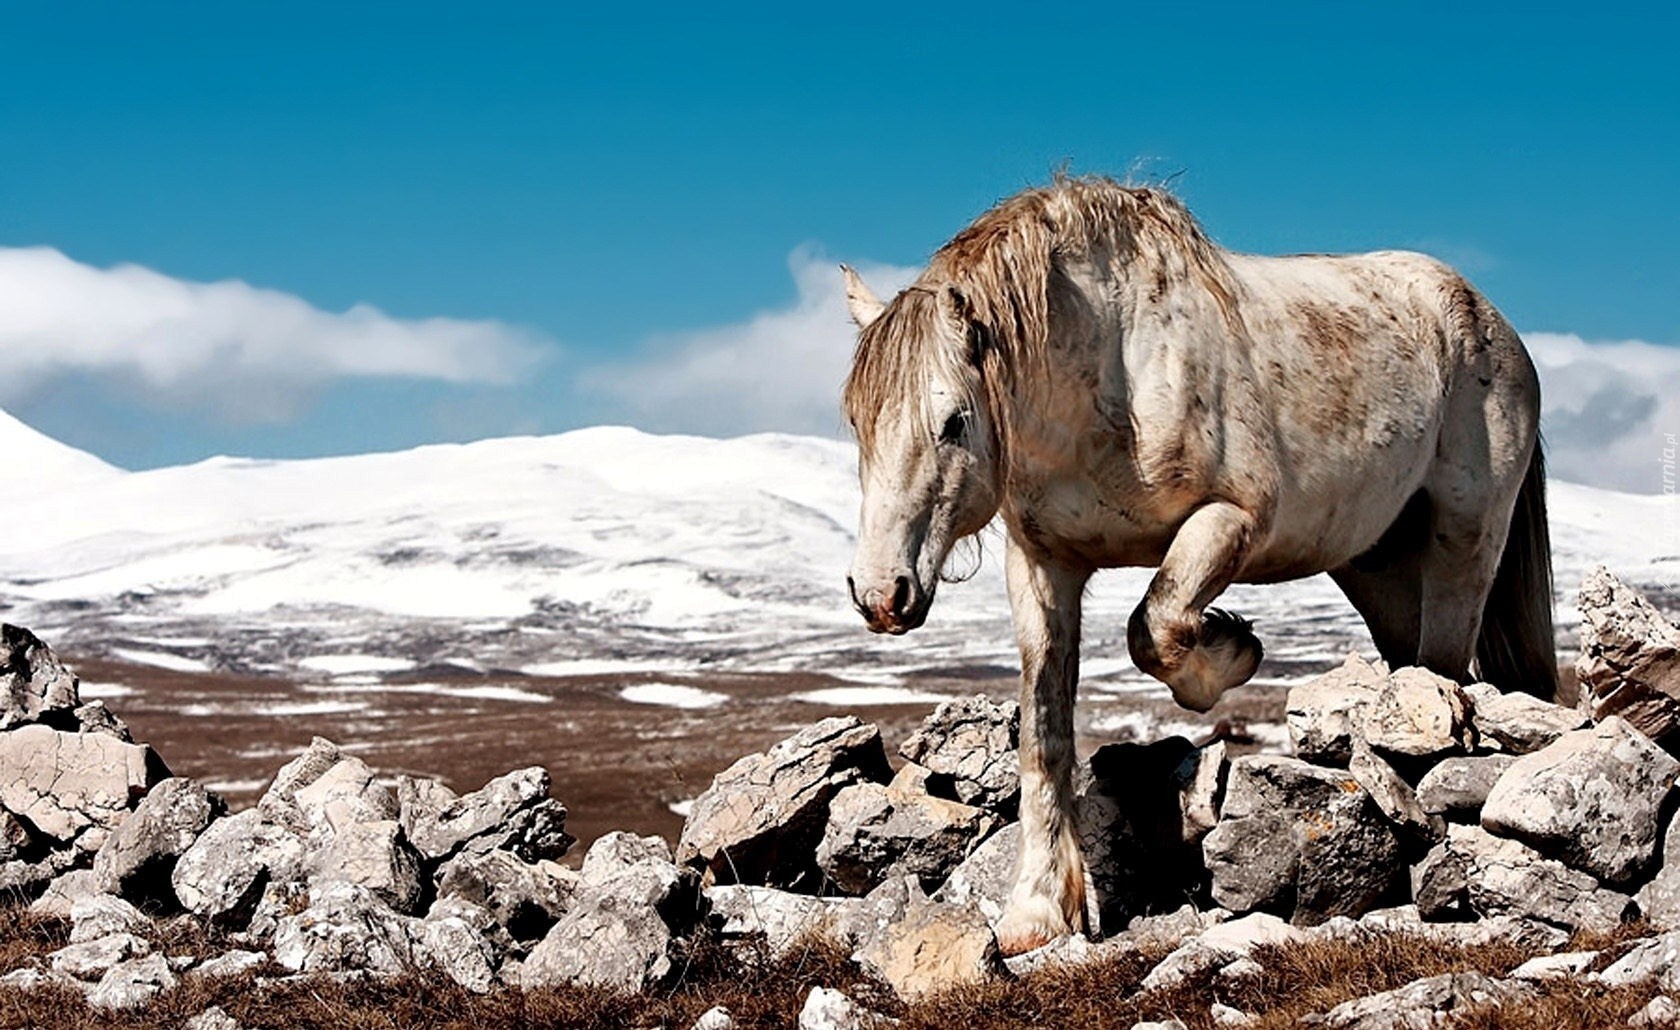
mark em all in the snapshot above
pixel 927 447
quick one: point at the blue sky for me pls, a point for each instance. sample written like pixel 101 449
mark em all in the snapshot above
pixel 592 198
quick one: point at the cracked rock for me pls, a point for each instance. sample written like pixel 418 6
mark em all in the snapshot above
pixel 1630 657
pixel 968 745
pixel 62 783
pixel 761 819
pixel 875 832
pixel 137 859
pixel 1591 799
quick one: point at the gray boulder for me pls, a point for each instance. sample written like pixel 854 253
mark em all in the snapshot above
pixel 1419 714
pixel 277 803
pixel 761 819
pixel 779 920
pixel 233 962
pixel 102 915
pixel 1656 959
pixel 1630 657
pixel 875 832
pixel 523 898
pixel 222 876
pixel 828 1009
pixel 1659 900
pixel 346 928
pixel 1200 779
pixel 1457 787
pixel 1218 947
pixel 1592 799
pixel 986 876
pixel 1392 795
pixel 969 746
pixel 62 893
pixel 88 960
pixel 131 984
pixel 513 812
pixel 931 948
pixel 1300 841
pixel 374 855
pixel 34 685
pixel 455 947
pixel 1503 877
pixel 1520 723
pixel 1429 1002
pixel 622 928
pixel 1325 714
pixel 137 859
pixel 64 783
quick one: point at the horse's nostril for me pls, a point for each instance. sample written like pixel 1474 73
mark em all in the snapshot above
pixel 901 594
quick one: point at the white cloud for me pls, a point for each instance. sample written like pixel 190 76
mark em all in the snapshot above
pixel 1606 408
pixel 237 350
pixel 779 370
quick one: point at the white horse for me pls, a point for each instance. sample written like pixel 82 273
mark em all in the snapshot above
pixel 1084 362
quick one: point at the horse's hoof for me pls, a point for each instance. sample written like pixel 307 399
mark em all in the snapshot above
pixel 1011 944
pixel 1021 931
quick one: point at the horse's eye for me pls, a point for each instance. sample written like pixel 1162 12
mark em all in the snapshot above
pixel 956 427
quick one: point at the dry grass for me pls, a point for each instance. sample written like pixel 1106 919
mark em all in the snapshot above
pixel 1296 981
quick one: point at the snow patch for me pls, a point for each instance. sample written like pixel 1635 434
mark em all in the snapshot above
pixel 672 695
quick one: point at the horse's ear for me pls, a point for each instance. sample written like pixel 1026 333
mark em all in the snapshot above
pixel 860 300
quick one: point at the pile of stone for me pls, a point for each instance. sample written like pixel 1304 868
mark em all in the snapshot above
pixel 1410 802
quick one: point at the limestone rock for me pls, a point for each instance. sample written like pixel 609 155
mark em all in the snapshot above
pixel 621 929
pixel 828 1009
pixel 986 876
pixel 233 962
pixel 131 984
pixel 222 876
pixel 34 685
pixel 715 1018
pixel 969 745
pixel 761 819
pixel 1299 840
pixel 89 960
pixel 212 1018
pixel 513 812
pixel 138 858
pixel 1200 779
pixel 1552 967
pixel 524 898
pixel 1656 959
pixel 1520 723
pixel 63 783
pixel 62 893
pixel 15 840
pixel 1659 900
pixel 453 946
pixel 780 919
pixel 346 928
pixel 1421 1003
pixel 345 793
pixel 102 915
pixel 1392 795
pixel 875 832
pixel 1505 877
pixel 1457 787
pixel 1418 713
pixel 1630 657
pixel 857 921
pixel 1219 947
pixel 374 855
pixel 278 803
pixel 932 948
pixel 1661 1011
pixel 1325 714
pixel 1592 799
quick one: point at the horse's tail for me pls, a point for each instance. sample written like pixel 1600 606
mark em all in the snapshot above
pixel 1516 649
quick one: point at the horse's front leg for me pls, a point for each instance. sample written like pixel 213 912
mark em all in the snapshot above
pixel 1048 899
pixel 1199 654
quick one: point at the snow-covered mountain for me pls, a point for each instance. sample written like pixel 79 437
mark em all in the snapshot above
pixel 599 550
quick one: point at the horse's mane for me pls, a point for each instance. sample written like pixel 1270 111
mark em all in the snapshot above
pixel 1000 269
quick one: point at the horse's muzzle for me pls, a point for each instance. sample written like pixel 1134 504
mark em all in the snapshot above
pixel 897 612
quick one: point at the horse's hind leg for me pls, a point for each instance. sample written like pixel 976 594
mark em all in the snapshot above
pixel 1467 536
pixel 1199 654
pixel 1385 584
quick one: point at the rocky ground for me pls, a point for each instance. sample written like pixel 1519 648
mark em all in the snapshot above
pixel 1430 854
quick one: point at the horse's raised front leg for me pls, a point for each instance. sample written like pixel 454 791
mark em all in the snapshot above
pixel 1048 899
pixel 1199 654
